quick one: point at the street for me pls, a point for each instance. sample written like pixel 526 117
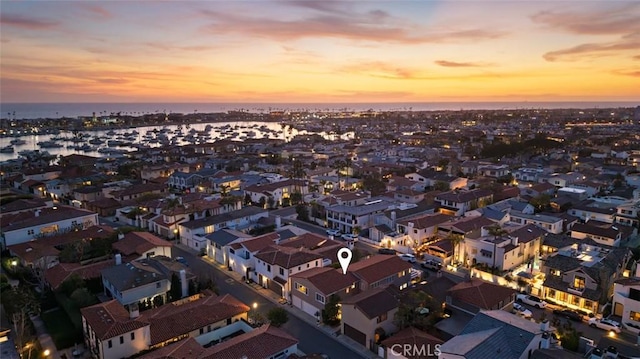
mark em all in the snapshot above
pixel 312 339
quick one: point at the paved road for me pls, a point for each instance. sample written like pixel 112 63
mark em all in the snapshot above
pixel 312 339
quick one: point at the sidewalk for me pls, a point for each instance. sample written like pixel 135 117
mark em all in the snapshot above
pixel 298 313
pixel 46 342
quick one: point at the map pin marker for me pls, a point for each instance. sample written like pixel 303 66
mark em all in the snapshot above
pixel 344 257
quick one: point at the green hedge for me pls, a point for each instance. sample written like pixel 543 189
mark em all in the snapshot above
pixel 62 330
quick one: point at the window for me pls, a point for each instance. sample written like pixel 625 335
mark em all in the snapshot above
pixel 133 336
pixel 575 300
pixel 110 343
pixel 635 316
pixel 232 251
pixel 269 268
pixel 578 282
pixel 555 272
pixel 158 285
pixel 588 304
pixel 281 271
pixel 121 339
pixel 551 294
pixel 307 265
pixel 201 330
pixel 301 288
pixel 382 318
pixel 320 298
pixel 30 232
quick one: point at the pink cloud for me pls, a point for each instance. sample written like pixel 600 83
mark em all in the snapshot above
pixel 25 22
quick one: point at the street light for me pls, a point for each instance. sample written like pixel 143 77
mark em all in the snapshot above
pixel 14 262
pixel 46 352
pixel 255 305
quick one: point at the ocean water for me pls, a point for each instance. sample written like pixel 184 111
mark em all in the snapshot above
pixel 57 110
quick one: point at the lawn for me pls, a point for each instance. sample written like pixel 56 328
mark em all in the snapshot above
pixel 61 329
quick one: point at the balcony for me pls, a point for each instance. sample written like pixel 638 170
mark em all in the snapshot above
pixel 574 290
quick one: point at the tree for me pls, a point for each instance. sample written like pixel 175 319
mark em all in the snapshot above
pixel 441 186
pixel 541 202
pixel 271 202
pixel 247 199
pixel 296 198
pixel 262 202
pixel 277 316
pixel 71 284
pixel 303 212
pixel 175 292
pixel 374 185
pixel 497 232
pixel 82 297
pixel 455 240
pixel 417 309
pixel 331 310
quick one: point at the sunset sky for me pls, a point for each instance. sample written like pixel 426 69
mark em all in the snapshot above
pixel 319 51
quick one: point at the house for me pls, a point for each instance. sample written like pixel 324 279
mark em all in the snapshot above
pixel 57 274
pixel 137 191
pixel 347 218
pixel 139 245
pixel 579 275
pixel 601 233
pixel 112 332
pixel 564 179
pixel 497 334
pixel 518 247
pixel 626 302
pixel 141 282
pixel 381 271
pixel 25 226
pixel 456 203
pixel 24 205
pixel 628 214
pixel 264 342
pixel 311 289
pixel 190 180
pixel 35 254
pixel 495 171
pixel 475 295
pixel 276 190
pixel 417 230
pixel 592 210
pixel 218 241
pixel 274 265
pixel 368 316
pixel 241 253
pixel 550 224
pixel 539 189
pixel 408 196
pixel 192 232
pixel 412 343
pixel 429 178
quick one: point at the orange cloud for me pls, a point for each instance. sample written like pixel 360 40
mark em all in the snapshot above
pixel 445 63
pixel 593 49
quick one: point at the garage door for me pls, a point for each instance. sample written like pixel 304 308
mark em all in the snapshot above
pixel 309 309
pixel 297 302
pixel 355 334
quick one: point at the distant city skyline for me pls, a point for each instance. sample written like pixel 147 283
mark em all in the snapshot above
pixel 319 51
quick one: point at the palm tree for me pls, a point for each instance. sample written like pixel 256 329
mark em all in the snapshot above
pixel 455 240
pixel 497 232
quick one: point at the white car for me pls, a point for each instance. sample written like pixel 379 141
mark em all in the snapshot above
pixel 522 311
pixel 333 232
pixel 605 324
pixel 531 300
pixel 407 257
pixel 349 237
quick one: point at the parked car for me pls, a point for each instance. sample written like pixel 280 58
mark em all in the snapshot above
pixel 432 265
pixel 386 251
pixel 605 324
pixel 407 257
pixel 182 260
pixel 569 314
pixel 349 237
pixel 333 232
pixel 521 311
pixel 531 300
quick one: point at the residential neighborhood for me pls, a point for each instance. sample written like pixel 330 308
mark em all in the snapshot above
pixel 466 241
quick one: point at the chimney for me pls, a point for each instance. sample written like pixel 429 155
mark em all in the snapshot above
pixel 410 224
pixel 546 339
pixel 514 241
pixel 278 222
pixel 544 325
pixel 120 236
pixel 134 312
pixel 393 219
pixel 183 283
pixel 118 259
pixel 37 213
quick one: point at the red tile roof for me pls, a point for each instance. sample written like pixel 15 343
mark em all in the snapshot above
pixel 286 257
pixel 41 216
pixel 374 302
pixel 426 220
pixel 414 337
pixel 170 321
pixel 32 251
pixel 327 279
pixel 481 294
pixel 138 243
pixel 263 342
pixel 22 205
pixel 378 267
pixel 60 272
pixel 109 319
pixel 257 243
pixel 184 349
